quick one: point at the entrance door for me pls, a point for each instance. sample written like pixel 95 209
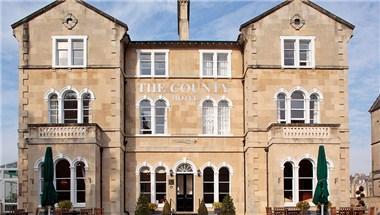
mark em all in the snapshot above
pixel 185 192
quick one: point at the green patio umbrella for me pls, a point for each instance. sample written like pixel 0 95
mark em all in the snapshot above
pixel 321 193
pixel 49 196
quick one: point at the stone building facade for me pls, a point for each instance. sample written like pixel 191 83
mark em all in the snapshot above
pixel 183 120
pixel 375 146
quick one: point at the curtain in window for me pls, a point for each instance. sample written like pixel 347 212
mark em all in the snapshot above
pixel 223 117
pixel 305 180
pixel 297 106
pixel 70 107
pixel 160 116
pixel 208 185
pixel 222 64
pixel 289 52
pixel 208 117
pixel 281 108
pixel 288 182
pixel 86 98
pixel 160 184
pixel 63 180
pixel 145 182
pixel 53 108
pixel 145 117
pixel 62 52
pixel 77 52
pixel 80 189
pixel 208 64
pixel 159 63
pixel 314 108
pixel 224 183
pixel 145 63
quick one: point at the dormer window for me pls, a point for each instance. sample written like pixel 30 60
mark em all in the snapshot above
pixel 69 51
pixel 297 52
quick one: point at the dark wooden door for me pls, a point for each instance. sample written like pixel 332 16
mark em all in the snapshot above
pixel 185 192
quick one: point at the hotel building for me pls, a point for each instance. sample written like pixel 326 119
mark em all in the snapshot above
pixel 183 120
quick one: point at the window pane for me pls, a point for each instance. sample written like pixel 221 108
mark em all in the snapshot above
pixel 145 117
pixel 208 187
pixel 208 174
pixel 81 185
pixel 62 57
pixel 78 57
pixel 208 64
pixel 288 170
pixel 160 116
pixel 160 187
pixel 297 114
pixel 145 187
pixel 208 198
pixel 159 63
pixel 223 117
pixel 145 63
pixel 305 169
pixel 305 195
pixel 289 52
pixel 160 198
pixel 63 195
pixel 298 104
pixel 77 43
pixel 144 176
pixel 289 44
pixel 224 174
pixel 288 184
pixel 288 196
pixel 208 117
pixel 62 169
pixel 161 177
pixel 222 64
pixel 81 196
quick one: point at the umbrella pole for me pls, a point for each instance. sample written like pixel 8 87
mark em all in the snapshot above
pixel 322 208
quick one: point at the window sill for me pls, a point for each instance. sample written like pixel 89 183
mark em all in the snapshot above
pixel 153 135
pixel 69 67
pixel 297 67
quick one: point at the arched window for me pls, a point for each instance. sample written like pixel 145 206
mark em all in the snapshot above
pixel 53 108
pixel 62 180
pixel 281 108
pixel 223 117
pixel 160 117
pixel 86 99
pixel 145 182
pixel 297 105
pixel 305 180
pixel 314 108
pixel 160 184
pixel 145 117
pixel 208 117
pixel 208 185
pixel 70 107
pixel 224 183
pixel 80 184
pixel 288 182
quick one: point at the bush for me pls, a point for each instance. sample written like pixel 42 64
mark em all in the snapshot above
pixel 167 209
pixel 142 207
pixel 202 210
pixel 66 204
pixel 228 207
pixel 217 205
pixel 303 206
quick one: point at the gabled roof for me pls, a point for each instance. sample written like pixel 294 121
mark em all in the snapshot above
pixel 57 2
pixel 375 105
pixel 307 2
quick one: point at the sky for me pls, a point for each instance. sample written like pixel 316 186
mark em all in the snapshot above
pixel 209 20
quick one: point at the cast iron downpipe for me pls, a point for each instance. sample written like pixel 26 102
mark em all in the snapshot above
pixel 266 149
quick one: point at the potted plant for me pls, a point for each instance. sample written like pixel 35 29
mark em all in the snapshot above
pixel 142 206
pixel 152 207
pixel 65 205
pixel 303 206
pixel 228 207
pixel 217 207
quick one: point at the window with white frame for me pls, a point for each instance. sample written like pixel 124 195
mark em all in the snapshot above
pixel 80 183
pixel 41 180
pixel 70 107
pixel 288 182
pixel 86 99
pixel 208 185
pixel 215 63
pixel 153 62
pixel 145 117
pixel 223 117
pixel 160 185
pixel 305 180
pixel 145 188
pixel 297 51
pixel 63 180
pixel 208 113
pixel 69 51
pixel 216 119
pixel 153 119
pixel 281 110
pixel 224 183
pixel 53 108
pixel 297 107
pixel 314 108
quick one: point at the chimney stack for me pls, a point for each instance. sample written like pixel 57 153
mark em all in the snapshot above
pixel 183 19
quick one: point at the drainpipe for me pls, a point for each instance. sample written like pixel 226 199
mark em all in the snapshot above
pixel 101 177
pixel 266 149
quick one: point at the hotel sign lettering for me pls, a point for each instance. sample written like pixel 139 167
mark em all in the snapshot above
pixel 183 91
